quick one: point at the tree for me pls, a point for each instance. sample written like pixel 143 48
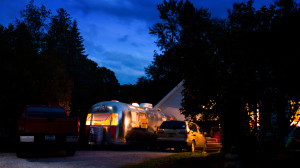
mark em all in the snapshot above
pixel 164 73
pixel 167 31
pixel 43 61
pixel 35 19
pixel 231 66
pixel 91 83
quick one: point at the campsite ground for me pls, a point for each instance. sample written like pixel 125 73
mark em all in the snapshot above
pixel 148 159
pixel 220 160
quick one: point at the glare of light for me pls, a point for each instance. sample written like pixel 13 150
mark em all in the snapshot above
pixel 88 119
pixel 88 122
pixel 126 122
pixel 135 104
pixel 295 123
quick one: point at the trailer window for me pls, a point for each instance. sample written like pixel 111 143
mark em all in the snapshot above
pixel 134 119
pixel 114 119
pixel 143 120
pixel 102 119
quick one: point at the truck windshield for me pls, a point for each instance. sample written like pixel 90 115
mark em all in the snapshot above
pixel 45 112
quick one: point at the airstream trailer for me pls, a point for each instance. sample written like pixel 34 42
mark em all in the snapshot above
pixel 113 122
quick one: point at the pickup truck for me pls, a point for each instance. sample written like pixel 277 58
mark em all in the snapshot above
pixel 47 127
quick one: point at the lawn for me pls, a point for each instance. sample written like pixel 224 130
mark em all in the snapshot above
pixel 217 160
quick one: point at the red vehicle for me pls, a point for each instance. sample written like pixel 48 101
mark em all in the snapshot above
pixel 47 127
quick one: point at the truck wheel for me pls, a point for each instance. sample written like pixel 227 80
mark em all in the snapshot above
pixel 70 151
pixel 21 152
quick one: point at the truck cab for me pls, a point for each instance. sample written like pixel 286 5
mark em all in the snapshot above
pixel 46 127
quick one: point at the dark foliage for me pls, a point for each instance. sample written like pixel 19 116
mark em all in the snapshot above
pixel 43 61
pixel 250 58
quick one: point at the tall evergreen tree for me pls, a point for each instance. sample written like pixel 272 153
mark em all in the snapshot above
pixel 36 19
pixel 42 61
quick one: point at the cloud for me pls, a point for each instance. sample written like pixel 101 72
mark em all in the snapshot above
pixel 121 9
pixel 127 67
pixel 123 39
pixel 115 32
pixel 126 49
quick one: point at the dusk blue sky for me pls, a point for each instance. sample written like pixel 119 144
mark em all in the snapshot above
pixel 116 32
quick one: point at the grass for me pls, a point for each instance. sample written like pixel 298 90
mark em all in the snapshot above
pixel 217 160
pixel 184 159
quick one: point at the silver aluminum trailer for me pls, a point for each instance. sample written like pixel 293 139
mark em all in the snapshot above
pixel 113 122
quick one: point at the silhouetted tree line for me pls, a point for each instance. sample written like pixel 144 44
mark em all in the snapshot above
pixel 43 61
pixel 231 67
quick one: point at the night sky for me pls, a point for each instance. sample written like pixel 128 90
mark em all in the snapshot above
pixel 116 32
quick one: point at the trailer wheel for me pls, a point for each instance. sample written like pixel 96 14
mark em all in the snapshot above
pixel 21 153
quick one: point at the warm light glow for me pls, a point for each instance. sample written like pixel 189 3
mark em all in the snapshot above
pixel 296 123
pixel 258 116
pixel 88 119
pixel 115 119
pixel 209 105
pixel 143 120
pixel 135 119
pixel 296 118
pixel 102 119
pixel 254 115
pixel 126 122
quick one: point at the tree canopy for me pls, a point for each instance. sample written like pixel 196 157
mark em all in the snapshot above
pixel 231 67
pixel 43 61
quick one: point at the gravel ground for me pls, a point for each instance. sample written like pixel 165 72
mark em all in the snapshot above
pixel 82 159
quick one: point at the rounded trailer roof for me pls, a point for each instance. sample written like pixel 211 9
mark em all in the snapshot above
pixel 112 106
